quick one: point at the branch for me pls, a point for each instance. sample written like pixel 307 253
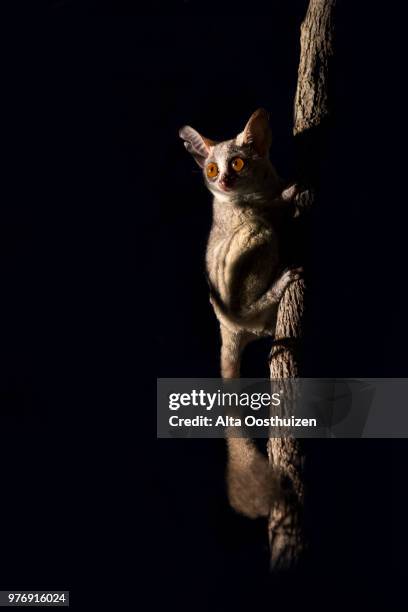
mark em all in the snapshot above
pixel 286 530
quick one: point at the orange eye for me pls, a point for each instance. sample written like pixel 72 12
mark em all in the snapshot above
pixel 212 170
pixel 237 164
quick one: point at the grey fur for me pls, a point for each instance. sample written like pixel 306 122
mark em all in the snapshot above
pixel 242 262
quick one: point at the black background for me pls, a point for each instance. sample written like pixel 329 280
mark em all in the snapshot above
pixel 102 250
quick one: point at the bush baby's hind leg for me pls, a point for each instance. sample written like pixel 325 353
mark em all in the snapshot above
pixel 232 345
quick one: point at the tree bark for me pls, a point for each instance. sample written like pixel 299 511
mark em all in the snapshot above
pixel 286 528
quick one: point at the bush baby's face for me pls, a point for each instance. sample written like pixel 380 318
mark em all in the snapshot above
pixel 234 167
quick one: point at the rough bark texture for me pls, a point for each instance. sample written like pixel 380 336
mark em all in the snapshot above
pixel 286 538
pixel 316 43
pixel 286 532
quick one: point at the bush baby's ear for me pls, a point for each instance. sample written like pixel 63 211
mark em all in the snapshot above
pixel 197 145
pixel 257 132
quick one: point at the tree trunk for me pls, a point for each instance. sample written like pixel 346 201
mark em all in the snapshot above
pixel 286 530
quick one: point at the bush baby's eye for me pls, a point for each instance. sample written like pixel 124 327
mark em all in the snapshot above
pixel 237 164
pixel 212 170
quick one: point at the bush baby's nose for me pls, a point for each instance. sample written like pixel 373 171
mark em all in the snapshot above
pixel 227 180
